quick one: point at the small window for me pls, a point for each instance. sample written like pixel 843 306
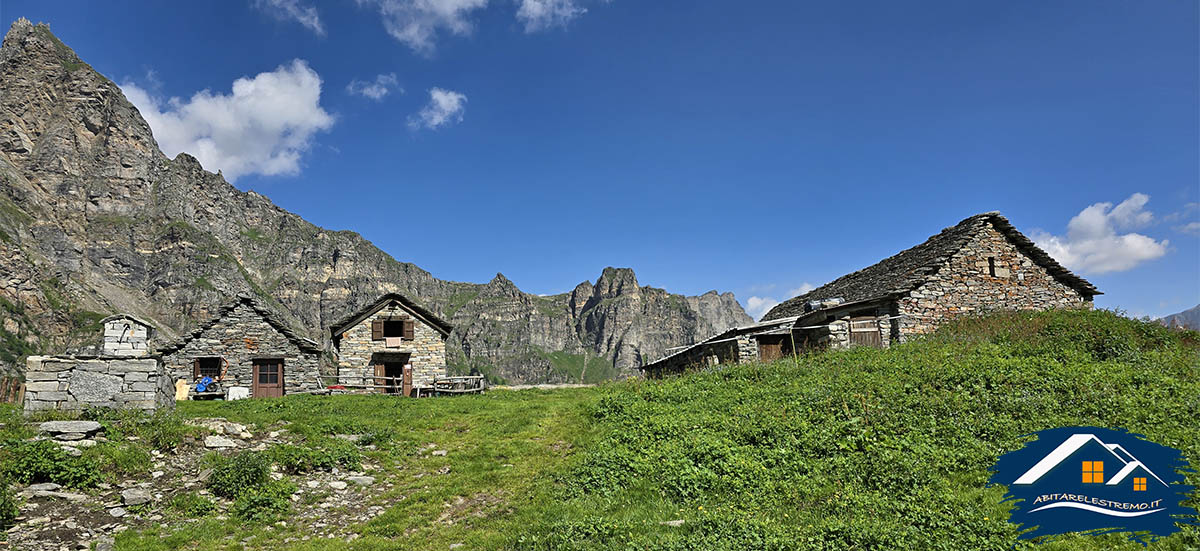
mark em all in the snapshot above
pixel 1139 484
pixel 393 328
pixel 207 367
pixel 992 266
pixel 1093 472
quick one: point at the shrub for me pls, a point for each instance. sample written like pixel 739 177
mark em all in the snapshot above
pixel 45 461
pixel 8 506
pixel 266 503
pixel 191 505
pixel 238 474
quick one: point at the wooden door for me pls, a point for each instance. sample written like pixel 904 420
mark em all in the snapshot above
pixel 864 331
pixel 770 348
pixel 268 378
pixel 380 380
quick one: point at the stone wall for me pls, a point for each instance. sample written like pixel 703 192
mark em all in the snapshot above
pixel 72 383
pixel 240 337
pixel 965 285
pixel 702 356
pixel 124 336
pixel 357 354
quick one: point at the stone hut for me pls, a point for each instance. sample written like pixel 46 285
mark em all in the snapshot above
pixel 248 352
pixel 980 264
pixel 121 375
pixel 379 340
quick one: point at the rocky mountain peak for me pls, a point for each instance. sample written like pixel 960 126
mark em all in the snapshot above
pixel 616 281
pixel 501 286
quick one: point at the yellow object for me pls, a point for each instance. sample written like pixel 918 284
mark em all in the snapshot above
pixel 181 390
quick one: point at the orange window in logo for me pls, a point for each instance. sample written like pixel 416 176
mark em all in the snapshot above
pixel 1093 472
pixel 1139 484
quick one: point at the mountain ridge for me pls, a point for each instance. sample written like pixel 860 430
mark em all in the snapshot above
pixel 95 219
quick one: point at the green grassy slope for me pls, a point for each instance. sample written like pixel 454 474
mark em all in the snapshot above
pixel 860 449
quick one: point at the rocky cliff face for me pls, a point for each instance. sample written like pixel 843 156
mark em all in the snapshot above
pixel 94 219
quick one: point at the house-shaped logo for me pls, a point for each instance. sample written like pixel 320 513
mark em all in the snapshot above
pixel 1091 479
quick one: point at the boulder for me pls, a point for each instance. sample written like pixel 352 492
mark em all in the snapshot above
pixel 68 427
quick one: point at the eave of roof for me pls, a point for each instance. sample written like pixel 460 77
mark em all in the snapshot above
pixel 367 311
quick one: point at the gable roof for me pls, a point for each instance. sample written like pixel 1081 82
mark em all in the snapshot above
pixel 910 268
pixel 367 311
pixel 305 345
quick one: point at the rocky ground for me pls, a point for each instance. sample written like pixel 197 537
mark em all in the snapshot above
pixel 326 504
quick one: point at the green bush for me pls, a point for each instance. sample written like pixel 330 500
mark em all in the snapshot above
pixel 266 503
pixel 191 505
pixel 45 461
pixel 9 510
pixel 238 474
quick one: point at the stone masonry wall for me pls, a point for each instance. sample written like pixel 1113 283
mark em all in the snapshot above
pixel 241 337
pixel 125 337
pixel 70 383
pixel 357 353
pixel 699 357
pixel 964 286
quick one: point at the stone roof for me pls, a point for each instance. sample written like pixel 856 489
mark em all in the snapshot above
pixel 910 268
pixel 357 317
pixel 304 344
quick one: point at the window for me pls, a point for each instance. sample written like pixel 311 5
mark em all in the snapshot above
pixel 1093 472
pixel 393 328
pixel 207 367
pixel 992 266
pixel 390 328
pixel 268 372
pixel 1139 484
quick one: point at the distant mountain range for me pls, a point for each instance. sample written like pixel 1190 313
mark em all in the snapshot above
pixel 95 219
pixel 1189 318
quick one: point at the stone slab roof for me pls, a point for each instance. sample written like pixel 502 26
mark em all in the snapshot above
pixel 304 344
pixel 367 311
pixel 910 268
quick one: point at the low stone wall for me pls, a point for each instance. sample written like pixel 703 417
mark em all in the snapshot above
pixel 73 383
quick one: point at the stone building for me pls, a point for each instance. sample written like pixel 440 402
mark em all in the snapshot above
pixel 121 375
pixel 383 338
pixel 980 264
pixel 249 351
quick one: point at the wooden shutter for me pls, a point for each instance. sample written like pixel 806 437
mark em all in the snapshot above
pixel 196 368
pixel 408 329
pixel 377 330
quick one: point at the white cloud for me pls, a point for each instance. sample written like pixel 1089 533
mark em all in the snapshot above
pixel 383 85
pixel 803 288
pixel 539 15
pixel 262 127
pixel 1092 244
pixel 757 307
pixel 445 107
pixel 293 10
pixel 417 22
pixel 1191 227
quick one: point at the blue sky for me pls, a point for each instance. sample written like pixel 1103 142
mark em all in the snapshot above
pixel 753 147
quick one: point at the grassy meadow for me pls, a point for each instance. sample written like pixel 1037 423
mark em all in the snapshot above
pixel 858 449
